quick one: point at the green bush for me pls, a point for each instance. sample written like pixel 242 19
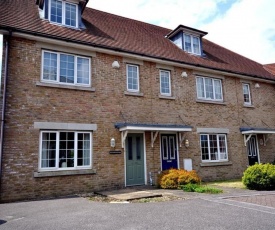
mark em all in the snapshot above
pixel 259 177
pixel 173 178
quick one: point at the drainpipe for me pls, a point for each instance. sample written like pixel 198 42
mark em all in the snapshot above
pixel 4 101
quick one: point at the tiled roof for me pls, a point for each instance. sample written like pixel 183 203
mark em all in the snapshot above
pixel 126 35
pixel 270 68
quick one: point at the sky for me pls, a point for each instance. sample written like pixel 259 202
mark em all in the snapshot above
pixel 246 27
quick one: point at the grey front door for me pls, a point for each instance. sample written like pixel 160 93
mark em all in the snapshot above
pixel 134 159
pixel 252 150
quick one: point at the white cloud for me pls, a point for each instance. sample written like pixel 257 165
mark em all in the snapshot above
pixel 246 28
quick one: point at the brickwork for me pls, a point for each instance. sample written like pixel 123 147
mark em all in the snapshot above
pixel 28 103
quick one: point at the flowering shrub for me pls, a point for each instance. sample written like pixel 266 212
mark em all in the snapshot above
pixel 173 178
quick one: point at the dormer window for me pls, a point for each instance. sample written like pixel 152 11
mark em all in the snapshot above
pixel 63 12
pixel 188 39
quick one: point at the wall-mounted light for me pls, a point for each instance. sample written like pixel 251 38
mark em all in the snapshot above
pixel 184 74
pixel 186 143
pixel 257 85
pixel 113 142
pixel 115 65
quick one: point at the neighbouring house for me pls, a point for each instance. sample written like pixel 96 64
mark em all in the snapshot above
pixel 94 101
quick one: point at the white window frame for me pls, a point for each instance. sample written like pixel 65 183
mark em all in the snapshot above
pixel 57 168
pixel 214 93
pixel 218 147
pixel 132 90
pixel 57 81
pixel 169 77
pixel 192 44
pixel 249 94
pixel 64 13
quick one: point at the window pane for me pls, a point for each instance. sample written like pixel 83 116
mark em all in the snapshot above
pixel 246 94
pixel 172 148
pixel 83 149
pixel 130 152
pixel 70 15
pixel 164 148
pixel 178 40
pixel 48 155
pixel 209 88
pixel 204 147
pixel 56 11
pixel 138 148
pixel 66 68
pixel 213 147
pixel 83 66
pixel 218 89
pixel 66 150
pixel 222 145
pixel 50 66
pixel 132 77
pixel 165 82
pixel 200 87
pixel 187 43
pixel 196 45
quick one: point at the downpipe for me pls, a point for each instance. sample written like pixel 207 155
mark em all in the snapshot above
pixel 4 101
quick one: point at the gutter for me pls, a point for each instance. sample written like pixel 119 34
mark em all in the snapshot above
pixel 4 101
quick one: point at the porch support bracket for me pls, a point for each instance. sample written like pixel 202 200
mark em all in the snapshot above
pixel 246 139
pixel 123 138
pixel 181 138
pixel 153 137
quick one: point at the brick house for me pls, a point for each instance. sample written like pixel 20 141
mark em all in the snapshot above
pixel 94 101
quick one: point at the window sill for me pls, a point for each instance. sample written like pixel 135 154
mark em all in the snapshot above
pixel 211 102
pixel 166 97
pixel 53 85
pixel 64 173
pixel 249 106
pixel 137 94
pixel 210 164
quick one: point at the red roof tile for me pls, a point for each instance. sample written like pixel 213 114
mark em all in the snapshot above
pixel 127 35
pixel 270 68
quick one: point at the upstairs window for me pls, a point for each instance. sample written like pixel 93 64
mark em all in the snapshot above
pixel 63 12
pixel 209 89
pixel 246 94
pixel 191 44
pixel 65 68
pixel 132 78
pixel 165 83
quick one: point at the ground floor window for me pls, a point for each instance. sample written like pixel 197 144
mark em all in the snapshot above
pixel 65 150
pixel 213 147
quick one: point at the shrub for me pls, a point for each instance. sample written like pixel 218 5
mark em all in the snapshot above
pixel 259 177
pixel 173 178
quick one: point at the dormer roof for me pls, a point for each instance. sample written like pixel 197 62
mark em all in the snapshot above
pixel 187 30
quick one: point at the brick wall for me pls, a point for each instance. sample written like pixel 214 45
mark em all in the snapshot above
pixel 28 103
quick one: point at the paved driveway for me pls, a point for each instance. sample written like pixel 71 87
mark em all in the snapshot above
pixel 205 212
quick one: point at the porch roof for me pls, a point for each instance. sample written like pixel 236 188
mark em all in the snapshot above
pixel 254 130
pixel 152 127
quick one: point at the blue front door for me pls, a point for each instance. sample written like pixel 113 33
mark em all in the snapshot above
pixel 169 152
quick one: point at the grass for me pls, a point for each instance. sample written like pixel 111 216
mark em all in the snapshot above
pixel 200 189
pixel 227 183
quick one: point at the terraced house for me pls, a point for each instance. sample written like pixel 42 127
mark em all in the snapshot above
pixel 93 101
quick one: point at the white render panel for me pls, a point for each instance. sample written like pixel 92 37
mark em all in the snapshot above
pixel 212 130
pixel 65 126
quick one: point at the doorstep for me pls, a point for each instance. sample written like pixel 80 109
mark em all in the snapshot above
pixel 128 194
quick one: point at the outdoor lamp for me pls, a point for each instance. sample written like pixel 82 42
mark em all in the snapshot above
pixel 113 142
pixel 186 143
